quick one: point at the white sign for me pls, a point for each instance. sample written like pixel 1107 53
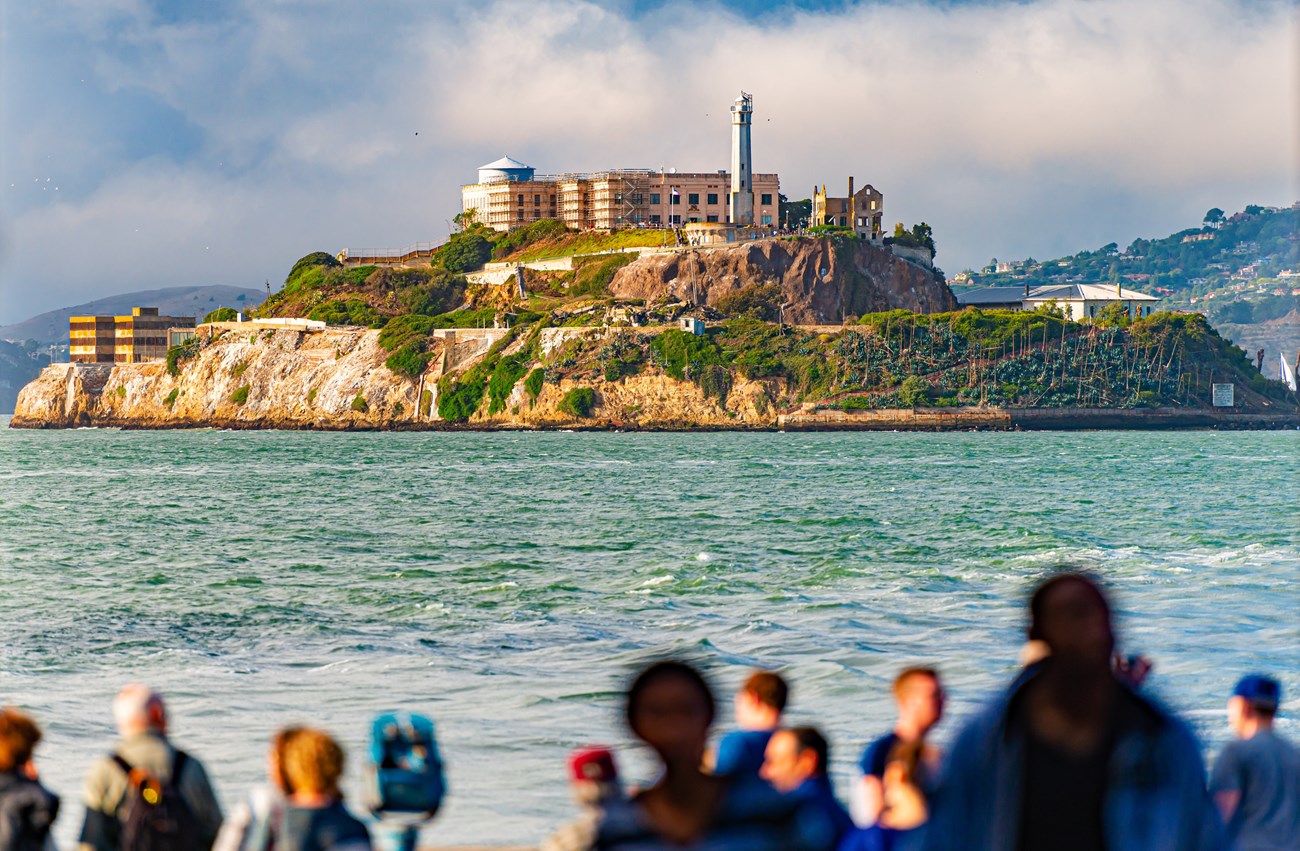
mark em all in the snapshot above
pixel 1222 395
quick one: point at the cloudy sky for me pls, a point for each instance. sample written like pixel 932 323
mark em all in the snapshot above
pixel 150 143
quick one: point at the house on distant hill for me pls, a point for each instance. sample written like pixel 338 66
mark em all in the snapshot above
pixel 1081 301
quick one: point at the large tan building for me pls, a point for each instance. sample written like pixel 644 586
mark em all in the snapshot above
pixel 863 210
pixel 139 337
pixel 509 194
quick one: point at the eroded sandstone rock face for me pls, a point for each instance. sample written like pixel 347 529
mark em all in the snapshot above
pixel 821 283
pixel 262 379
pixel 312 380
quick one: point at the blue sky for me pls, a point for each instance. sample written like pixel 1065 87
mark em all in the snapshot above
pixel 149 144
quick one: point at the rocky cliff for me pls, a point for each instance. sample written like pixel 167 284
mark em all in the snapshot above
pixel 336 380
pixel 256 379
pixel 821 280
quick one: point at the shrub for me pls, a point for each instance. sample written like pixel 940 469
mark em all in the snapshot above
pixel 402 330
pixel 309 271
pixel 316 258
pixel 426 403
pixel 398 409
pixel 350 311
pixel 240 396
pixel 622 356
pixel 679 352
pixel 121 391
pixel 359 404
pixel 715 381
pixel 759 301
pixel 508 371
pixel 538 231
pixel 438 293
pixel 578 402
pixel 533 383
pixel 458 400
pixel 357 276
pixel 178 354
pixel 238 369
pixel 222 314
pixel 309 278
pixel 171 397
pixel 411 360
pixel 592 275
pixel 311 395
pixel 912 391
pixel 465 252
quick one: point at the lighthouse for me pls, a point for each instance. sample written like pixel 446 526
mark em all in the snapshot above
pixel 742 172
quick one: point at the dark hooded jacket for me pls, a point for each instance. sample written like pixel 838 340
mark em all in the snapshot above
pixel 27 813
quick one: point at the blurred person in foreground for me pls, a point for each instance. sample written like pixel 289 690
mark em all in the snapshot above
pixel 904 811
pixel 147 793
pixel 919 695
pixel 27 809
pixel 593 779
pixel 1069 758
pixel 250 823
pixel 314 818
pixel 670 708
pixel 759 705
pixel 1256 779
pixel 796 763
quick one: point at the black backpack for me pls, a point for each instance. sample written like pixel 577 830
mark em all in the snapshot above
pixel 153 815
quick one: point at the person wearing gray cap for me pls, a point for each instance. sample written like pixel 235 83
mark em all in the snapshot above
pixel 1256 779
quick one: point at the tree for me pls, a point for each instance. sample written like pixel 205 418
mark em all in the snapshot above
pixel 1253 209
pixel 795 214
pixel 1139 247
pixel 1214 216
pixel 465 252
pixel 464 220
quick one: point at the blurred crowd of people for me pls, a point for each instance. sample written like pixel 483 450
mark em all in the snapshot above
pixel 1070 756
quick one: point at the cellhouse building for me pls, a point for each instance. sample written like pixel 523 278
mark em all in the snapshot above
pixel 509 194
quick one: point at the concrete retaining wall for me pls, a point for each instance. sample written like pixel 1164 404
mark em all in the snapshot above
pixel 1029 419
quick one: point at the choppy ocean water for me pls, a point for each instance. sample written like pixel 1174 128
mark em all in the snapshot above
pixel 507 584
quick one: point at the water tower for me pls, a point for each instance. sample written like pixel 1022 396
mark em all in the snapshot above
pixel 507 169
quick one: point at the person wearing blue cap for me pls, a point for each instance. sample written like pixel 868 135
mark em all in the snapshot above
pixel 1256 779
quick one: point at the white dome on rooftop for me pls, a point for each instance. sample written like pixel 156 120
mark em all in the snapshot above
pixel 505 163
pixel 506 168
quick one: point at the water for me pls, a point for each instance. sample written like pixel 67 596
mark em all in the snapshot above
pixel 508 583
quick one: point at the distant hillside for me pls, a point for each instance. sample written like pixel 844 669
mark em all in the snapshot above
pixel 1242 271
pixel 52 327
pixel 19 364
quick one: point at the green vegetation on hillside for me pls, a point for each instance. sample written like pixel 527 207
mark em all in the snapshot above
pixel 970 357
pixel 1230 267
pixel 222 314
pixel 320 288
pixel 550 238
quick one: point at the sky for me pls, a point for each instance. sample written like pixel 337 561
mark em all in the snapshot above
pixel 146 143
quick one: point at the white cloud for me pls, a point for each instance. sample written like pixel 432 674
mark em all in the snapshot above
pixel 1013 128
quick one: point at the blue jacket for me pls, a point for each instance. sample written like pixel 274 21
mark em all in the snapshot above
pixel 1155 798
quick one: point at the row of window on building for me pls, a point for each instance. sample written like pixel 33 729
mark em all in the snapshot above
pixel 142 336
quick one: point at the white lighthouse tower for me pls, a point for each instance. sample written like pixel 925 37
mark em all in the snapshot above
pixel 742 172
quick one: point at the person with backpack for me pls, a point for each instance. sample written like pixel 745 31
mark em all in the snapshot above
pixel 147 795
pixel 315 818
pixel 27 809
